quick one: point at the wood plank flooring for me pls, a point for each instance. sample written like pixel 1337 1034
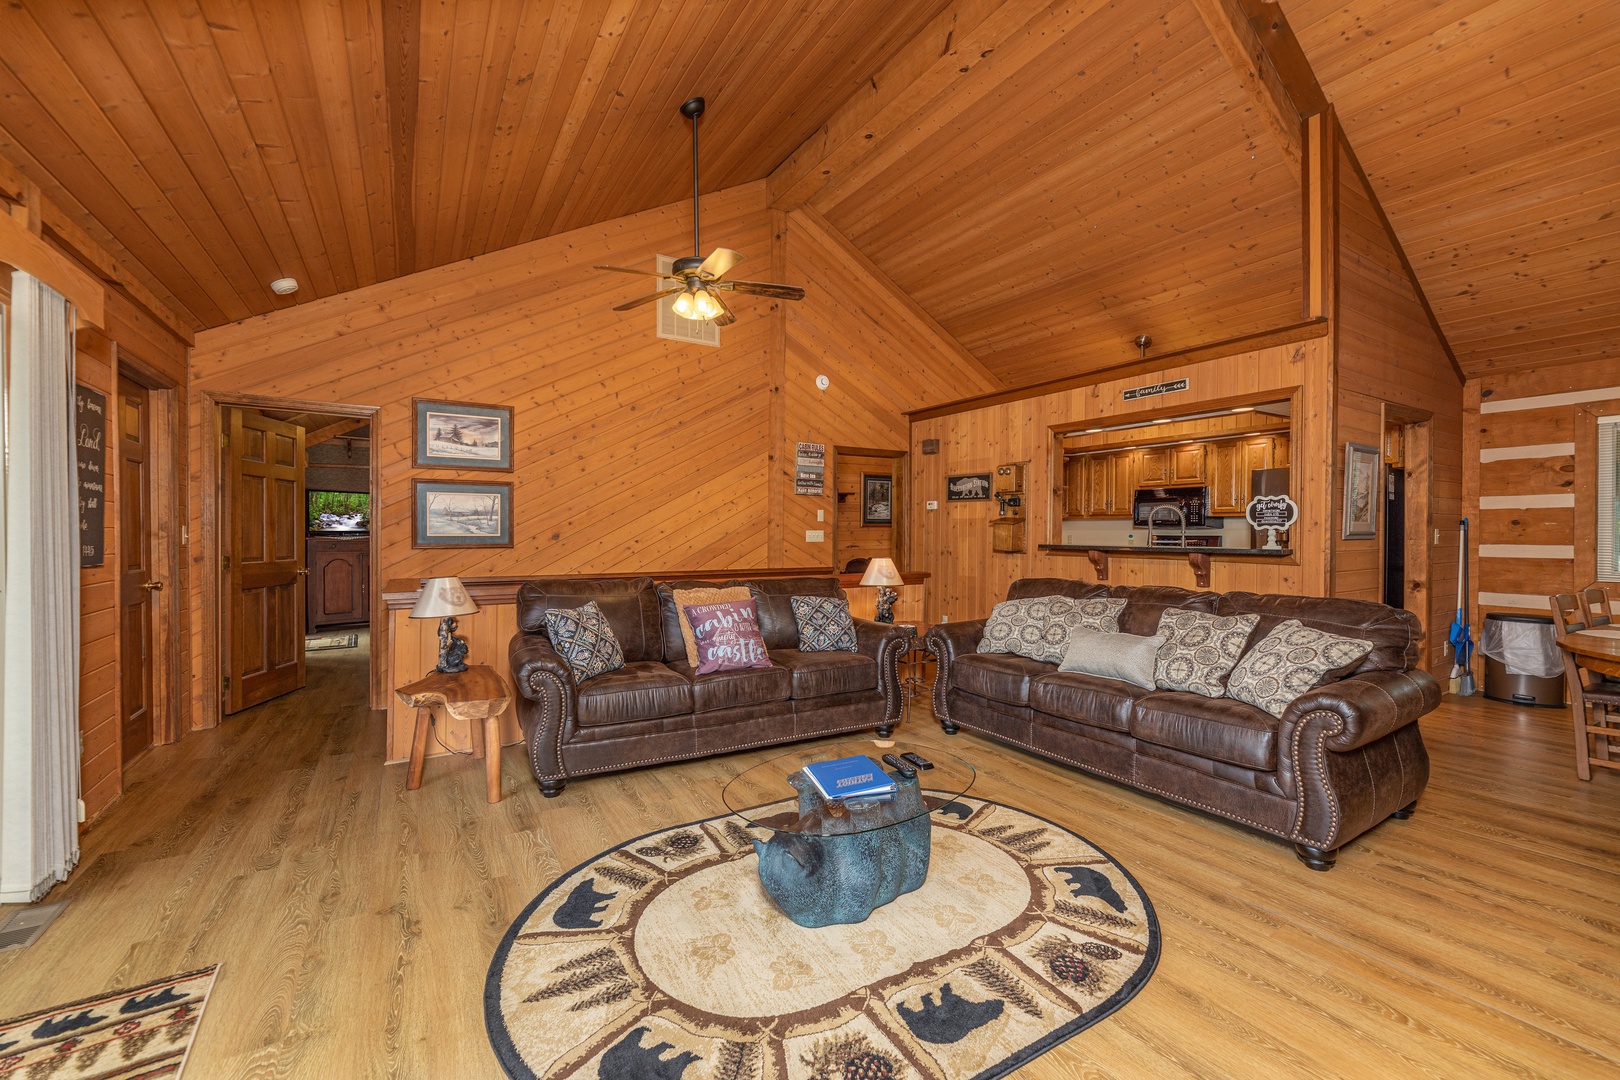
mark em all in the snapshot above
pixel 355 920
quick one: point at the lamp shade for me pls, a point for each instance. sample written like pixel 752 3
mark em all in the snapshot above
pixel 442 596
pixel 882 572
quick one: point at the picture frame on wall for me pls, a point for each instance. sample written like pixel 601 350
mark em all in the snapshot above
pixel 462 435
pixel 1362 468
pixel 877 499
pixel 451 513
pixel 970 487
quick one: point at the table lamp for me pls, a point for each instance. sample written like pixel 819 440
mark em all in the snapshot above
pixel 444 598
pixel 883 574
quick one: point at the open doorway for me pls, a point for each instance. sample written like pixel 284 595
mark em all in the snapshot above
pixel 869 519
pixel 1405 522
pixel 287 522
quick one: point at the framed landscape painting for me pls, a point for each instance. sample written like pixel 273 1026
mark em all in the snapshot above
pixel 451 514
pixel 1362 491
pixel 462 435
pixel 877 499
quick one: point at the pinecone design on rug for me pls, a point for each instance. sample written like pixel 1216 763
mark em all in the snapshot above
pixel 851 1058
pixel 1079 964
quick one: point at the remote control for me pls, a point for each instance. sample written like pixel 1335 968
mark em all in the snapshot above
pixel 918 760
pixel 906 771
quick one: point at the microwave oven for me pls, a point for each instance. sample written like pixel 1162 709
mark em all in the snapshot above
pixel 1191 501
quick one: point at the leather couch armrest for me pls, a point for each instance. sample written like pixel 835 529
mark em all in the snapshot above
pixel 547 704
pixel 1368 706
pixel 949 640
pixel 886 643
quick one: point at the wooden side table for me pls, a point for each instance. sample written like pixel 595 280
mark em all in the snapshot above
pixel 477 696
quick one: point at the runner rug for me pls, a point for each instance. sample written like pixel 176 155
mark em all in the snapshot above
pixel 138 1033
pixel 664 959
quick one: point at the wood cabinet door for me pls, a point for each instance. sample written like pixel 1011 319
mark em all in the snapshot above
pixel 1256 455
pixel 1127 478
pixel 1279 451
pixel 1074 488
pixel 1225 487
pixel 1155 467
pixel 1187 464
pixel 1099 485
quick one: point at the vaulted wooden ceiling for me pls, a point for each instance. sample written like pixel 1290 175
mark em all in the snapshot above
pixel 1047 181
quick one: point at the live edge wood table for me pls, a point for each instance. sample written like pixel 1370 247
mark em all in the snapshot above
pixel 477 696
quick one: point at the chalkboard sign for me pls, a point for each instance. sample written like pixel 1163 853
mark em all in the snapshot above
pixel 91 428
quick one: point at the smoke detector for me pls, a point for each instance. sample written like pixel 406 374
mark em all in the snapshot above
pixel 284 286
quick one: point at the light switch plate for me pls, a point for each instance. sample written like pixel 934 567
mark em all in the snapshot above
pixel 933 504
pixel 821 515
pixel 815 536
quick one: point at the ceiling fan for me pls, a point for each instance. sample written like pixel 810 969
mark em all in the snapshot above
pixel 699 280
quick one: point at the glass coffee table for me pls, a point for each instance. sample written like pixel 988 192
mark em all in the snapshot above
pixel 836 861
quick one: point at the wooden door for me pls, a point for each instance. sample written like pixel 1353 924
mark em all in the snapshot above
pixel 263 528
pixel 136 585
pixel 1155 466
pixel 1187 464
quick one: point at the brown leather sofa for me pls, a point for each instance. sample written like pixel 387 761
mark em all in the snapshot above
pixel 1341 759
pixel 657 708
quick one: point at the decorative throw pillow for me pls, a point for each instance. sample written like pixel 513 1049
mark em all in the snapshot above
pixel 1290 660
pixel 1199 650
pixel 583 637
pixel 1099 614
pixel 727 636
pixel 824 624
pixel 1020 627
pixel 684 597
pixel 1112 655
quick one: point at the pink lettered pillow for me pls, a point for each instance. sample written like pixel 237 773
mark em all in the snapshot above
pixel 727 636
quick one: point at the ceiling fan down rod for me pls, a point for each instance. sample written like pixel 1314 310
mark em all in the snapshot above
pixel 692 109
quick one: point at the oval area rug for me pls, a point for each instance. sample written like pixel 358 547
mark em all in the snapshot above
pixel 664 959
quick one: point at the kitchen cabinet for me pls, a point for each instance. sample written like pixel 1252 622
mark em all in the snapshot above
pixel 1154 467
pixel 1104 485
pixel 1100 472
pixel 1074 488
pixel 1228 485
pixel 339 592
pixel 1187 464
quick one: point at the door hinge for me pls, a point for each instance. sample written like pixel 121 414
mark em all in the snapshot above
pixel 227 562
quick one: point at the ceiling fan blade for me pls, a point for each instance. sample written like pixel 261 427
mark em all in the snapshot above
pixel 627 270
pixel 726 316
pixel 719 263
pixel 649 299
pixel 763 288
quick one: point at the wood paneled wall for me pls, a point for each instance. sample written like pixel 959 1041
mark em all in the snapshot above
pixel 631 452
pixel 99 655
pixel 953 542
pixel 1533 495
pixel 1391 359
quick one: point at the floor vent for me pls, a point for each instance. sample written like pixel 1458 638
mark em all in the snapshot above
pixel 26 925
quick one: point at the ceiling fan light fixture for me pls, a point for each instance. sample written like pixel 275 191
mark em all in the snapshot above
pixel 685 306
pixel 706 305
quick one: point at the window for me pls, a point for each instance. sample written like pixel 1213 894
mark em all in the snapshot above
pixel 1608 524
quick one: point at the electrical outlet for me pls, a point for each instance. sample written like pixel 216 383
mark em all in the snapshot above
pixel 815 536
pixel 821 515
pixel 933 504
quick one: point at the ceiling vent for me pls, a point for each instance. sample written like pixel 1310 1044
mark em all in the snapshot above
pixel 675 328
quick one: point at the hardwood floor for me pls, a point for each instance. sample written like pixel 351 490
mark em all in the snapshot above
pixel 355 920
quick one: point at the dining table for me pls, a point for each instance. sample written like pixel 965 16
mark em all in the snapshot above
pixel 1597 649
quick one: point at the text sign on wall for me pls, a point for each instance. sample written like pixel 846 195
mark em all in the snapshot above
pixel 1155 390
pixel 90 428
pixel 810 468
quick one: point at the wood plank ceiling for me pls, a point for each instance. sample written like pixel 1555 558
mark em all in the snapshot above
pixel 1489 129
pixel 220 144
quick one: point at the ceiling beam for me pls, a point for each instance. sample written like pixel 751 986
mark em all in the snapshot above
pixel 402 52
pixel 1239 41
pixel 959 39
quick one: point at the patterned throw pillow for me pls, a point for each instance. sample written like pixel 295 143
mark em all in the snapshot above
pixel 683 597
pixel 1099 614
pixel 1199 650
pixel 824 624
pixel 1291 659
pixel 583 637
pixel 1037 627
pixel 727 636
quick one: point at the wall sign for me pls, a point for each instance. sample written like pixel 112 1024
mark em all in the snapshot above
pixel 1273 513
pixel 90 434
pixel 972 487
pixel 810 468
pixel 1155 390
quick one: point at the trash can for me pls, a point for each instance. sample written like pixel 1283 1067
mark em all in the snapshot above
pixel 1523 663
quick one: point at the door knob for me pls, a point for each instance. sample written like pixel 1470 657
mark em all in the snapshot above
pixel 303 571
pixel 152 586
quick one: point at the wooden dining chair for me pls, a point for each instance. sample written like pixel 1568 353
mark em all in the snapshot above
pixel 1587 690
pixel 1597 609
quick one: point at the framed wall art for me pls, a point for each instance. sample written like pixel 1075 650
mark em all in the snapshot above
pixel 1362 467
pixel 973 487
pixel 877 499
pixel 462 435
pixel 452 514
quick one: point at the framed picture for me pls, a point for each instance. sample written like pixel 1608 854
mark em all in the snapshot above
pixel 973 487
pixel 1362 465
pixel 451 514
pixel 877 499
pixel 462 435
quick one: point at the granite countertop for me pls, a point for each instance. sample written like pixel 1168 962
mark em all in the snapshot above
pixel 1213 552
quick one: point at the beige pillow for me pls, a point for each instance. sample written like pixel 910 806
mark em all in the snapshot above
pixel 1106 655
pixel 1290 660
pixel 1200 649
pixel 682 597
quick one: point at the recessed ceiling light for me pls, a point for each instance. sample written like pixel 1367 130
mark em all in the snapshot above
pixel 284 286
pixel 1244 408
pixel 1091 431
pixel 1166 420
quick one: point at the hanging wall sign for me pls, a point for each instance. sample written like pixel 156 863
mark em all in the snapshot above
pixel 1155 390
pixel 1274 514
pixel 90 428
pixel 810 468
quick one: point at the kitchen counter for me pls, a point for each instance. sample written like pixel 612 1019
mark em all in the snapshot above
pixel 1198 557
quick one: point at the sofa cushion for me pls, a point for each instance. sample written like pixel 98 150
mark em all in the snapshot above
pixel 773 599
pixel 998 676
pixel 1291 659
pixel 630 606
pixel 1126 657
pixel 1216 728
pixel 824 624
pixel 682 599
pixel 727 636
pixel 732 689
pixel 1146 603
pixel 669 616
pixel 1086 699
pixel 1030 587
pixel 1396 635
pixel 820 674
pixel 643 690
pixel 583 638
pixel 1200 650
pixel 1034 627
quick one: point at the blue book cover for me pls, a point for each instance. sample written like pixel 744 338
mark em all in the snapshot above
pixel 850 778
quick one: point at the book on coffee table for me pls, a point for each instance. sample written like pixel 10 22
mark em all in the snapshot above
pixel 856 777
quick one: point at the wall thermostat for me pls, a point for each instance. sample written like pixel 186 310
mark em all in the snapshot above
pixel 822 382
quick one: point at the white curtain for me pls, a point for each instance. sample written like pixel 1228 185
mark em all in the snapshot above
pixel 39 734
